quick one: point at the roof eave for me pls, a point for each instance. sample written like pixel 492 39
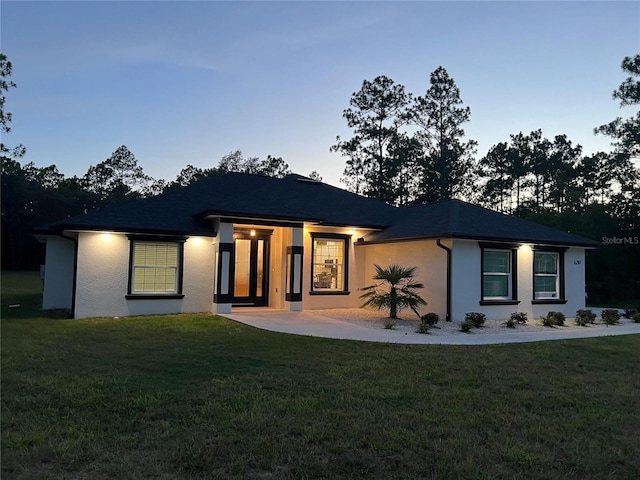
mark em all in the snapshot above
pixel 462 236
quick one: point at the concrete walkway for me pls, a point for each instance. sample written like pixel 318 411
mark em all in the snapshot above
pixel 314 325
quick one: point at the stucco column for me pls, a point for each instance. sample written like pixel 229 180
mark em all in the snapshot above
pixel 222 270
pixel 294 270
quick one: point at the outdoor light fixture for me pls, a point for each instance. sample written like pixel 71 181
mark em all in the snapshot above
pixel 252 232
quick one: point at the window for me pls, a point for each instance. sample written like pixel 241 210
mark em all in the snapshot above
pixel 546 275
pixel 496 275
pixel 499 284
pixel 156 269
pixel 329 264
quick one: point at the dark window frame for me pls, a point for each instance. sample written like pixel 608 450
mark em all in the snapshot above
pixel 345 266
pixel 513 254
pixel 180 241
pixel 561 276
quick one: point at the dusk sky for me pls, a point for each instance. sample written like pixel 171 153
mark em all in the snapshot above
pixel 184 83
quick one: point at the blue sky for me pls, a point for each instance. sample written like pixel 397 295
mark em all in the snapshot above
pixel 188 82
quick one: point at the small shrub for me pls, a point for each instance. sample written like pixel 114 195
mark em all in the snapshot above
pixel 466 326
pixel 427 321
pixel 636 317
pixel 389 324
pixel 559 318
pixel 477 319
pixel 519 317
pixel 422 328
pixel 629 312
pixel 548 321
pixel 430 319
pixel 511 323
pixel 610 316
pixel 584 317
pixel 553 319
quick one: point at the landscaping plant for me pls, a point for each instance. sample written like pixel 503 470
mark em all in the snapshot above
pixel 584 317
pixel 466 326
pixel 427 321
pixel 510 323
pixel 519 317
pixel 395 292
pixel 389 324
pixel 477 319
pixel 610 316
pixel 553 319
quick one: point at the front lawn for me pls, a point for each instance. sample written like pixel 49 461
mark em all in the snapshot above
pixel 199 396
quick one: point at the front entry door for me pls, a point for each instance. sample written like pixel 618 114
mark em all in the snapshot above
pixel 251 267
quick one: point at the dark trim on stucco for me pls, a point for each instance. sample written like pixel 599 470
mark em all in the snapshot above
pixel 499 302
pixel 561 273
pixel 549 301
pixel 513 248
pixel 345 270
pixel 155 239
pixel 334 292
pixel 448 250
pixel 218 296
pixel 290 296
pixel 154 296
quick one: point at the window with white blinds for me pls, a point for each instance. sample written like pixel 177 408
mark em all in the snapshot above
pixel 155 267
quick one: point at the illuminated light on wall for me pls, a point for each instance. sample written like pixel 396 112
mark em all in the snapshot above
pixel 197 241
pixel 525 248
pixel 351 232
pixel 252 232
pixel 106 236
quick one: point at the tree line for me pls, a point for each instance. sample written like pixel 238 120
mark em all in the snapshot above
pixel 405 150
pixel 33 196
pixel 409 150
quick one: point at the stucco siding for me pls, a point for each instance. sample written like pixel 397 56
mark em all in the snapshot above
pixel 103 275
pixel 103 269
pixel 465 275
pixel 431 263
pixel 467 278
pixel 58 274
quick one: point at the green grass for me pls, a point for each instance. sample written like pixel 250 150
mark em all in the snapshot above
pixel 198 396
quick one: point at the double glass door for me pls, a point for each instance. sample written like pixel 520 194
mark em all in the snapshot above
pixel 251 267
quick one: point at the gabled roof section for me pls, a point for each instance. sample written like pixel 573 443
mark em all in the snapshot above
pixel 185 210
pixel 458 219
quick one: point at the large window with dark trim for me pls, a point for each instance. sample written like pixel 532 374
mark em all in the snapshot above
pixel 546 275
pixel 329 267
pixel 496 275
pixel 156 268
pixel 499 275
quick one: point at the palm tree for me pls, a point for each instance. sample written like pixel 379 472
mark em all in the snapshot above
pixel 396 291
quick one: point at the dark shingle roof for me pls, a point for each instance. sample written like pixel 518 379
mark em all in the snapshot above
pixel 297 199
pixel 457 219
pixel 181 211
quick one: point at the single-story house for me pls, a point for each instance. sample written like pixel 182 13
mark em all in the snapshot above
pixel 294 243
